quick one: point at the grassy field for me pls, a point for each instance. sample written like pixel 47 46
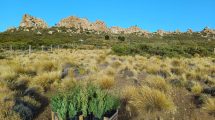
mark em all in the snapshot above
pixel 149 87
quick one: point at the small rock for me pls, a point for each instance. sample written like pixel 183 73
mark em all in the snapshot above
pixel 65 70
pixel 39 33
pixel 50 32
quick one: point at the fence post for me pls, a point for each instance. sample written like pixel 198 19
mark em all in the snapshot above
pixel 42 48
pixel 29 50
pixel 51 48
pixel 214 50
pixel 11 48
pixel 58 47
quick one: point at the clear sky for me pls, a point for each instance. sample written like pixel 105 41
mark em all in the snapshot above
pixel 148 14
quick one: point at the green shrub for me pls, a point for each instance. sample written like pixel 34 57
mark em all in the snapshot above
pixel 121 38
pixel 107 37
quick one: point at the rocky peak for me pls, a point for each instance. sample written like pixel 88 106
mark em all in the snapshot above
pixel 99 26
pixel 207 31
pixel 116 30
pixel 29 21
pixel 161 32
pixel 75 22
pixel 133 29
pixel 189 31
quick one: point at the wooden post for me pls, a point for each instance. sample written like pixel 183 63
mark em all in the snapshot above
pixel 53 117
pixel 214 50
pixel 58 47
pixel 29 50
pixel 81 117
pixel 11 48
pixel 42 48
pixel 51 48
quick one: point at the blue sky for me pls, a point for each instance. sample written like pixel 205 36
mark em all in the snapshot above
pixel 148 14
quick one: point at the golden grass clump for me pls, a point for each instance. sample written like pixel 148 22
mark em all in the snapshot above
pixel 129 91
pixel 106 82
pixel 209 105
pixel 7 73
pixel 116 64
pixel 153 68
pixel 31 101
pixel 6 113
pixel 178 70
pixel 151 100
pixel 46 79
pixel 45 65
pixel 156 82
pixel 66 84
pixel 176 63
pixel 101 58
pixel 197 88
pixel 110 71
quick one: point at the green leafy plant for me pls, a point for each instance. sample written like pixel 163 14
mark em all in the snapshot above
pixel 85 100
pixel 62 111
pixel 56 102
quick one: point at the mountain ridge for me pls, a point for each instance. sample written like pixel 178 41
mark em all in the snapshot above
pixel 83 24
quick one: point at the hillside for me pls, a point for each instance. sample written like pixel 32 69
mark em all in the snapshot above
pixel 74 32
pixel 85 70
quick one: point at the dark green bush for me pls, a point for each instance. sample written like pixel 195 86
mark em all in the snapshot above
pixel 121 38
pixel 170 51
pixel 107 37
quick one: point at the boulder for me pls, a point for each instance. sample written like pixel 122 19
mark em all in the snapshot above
pixel 39 33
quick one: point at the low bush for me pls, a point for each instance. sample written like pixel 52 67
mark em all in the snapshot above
pixel 107 37
pixel 121 38
pixel 170 51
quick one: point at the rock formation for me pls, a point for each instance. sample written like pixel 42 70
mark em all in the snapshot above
pixel 82 23
pixel 160 32
pixel 100 26
pixel 74 22
pixel 189 31
pixel 133 29
pixel 29 21
pixel 117 30
pixel 208 31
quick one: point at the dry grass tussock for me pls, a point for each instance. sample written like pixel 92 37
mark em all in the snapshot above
pixel 150 100
pixel 106 82
pixel 148 94
pixel 210 105
pixel 156 82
